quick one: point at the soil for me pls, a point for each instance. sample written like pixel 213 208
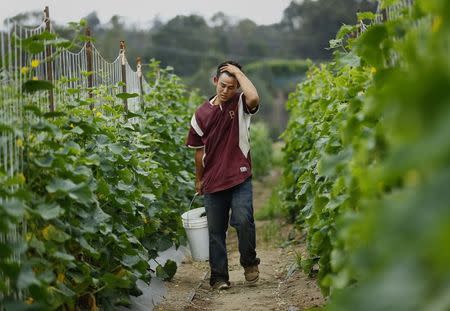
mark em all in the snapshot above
pixel 281 285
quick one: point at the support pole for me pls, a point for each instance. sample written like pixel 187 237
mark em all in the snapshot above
pixel 124 72
pixel 139 74
pixel 49 67
pixel 89 65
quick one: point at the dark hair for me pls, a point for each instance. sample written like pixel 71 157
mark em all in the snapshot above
pixel 226 63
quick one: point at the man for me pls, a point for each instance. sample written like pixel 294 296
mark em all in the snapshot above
pixel 220 134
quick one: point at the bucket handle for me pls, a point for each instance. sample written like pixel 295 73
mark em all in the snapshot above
pixel 190 205
pixel 192 201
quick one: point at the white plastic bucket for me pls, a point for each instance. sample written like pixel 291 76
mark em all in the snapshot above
pixel 197 233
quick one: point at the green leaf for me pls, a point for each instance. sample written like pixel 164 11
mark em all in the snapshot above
pixel 61 185
pixel 43 36
pixel 79 192
pixel 127 95
pixel 53 114
pixel 335 43
pixel 77 130
pixel 124 187
pixel 149 197
pixel 168 271
pixel 349 59
pixel 33 47
pixel 59 42
pixel 32 86
pixel 369 45
pixel 100 215
pixel 45 162
pixel 33 108
pixel 102 139
pixel 337 202
pixel 345 30
pixel 366 15
pixel 130 261
pixel 49 210
pixel 131 114
pixel 39 246
pixel 387 3
pixel 72 91
pixel 328 164
pixel 93 159
pixel 113 281
pixel 63 256
pixel 13 207
pixel 116 148
pixel 50 232
pixel 88 247
pixel 26 278
pixel 83 194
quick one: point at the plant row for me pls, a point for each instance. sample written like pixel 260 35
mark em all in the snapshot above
pixel 100 194
pixel 367 163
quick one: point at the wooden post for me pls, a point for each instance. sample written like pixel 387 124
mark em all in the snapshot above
pixel 49 68
pixel 384 15
pixel 89 65
pixel 139 74
pixel 124 72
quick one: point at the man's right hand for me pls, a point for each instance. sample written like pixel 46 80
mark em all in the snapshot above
pixel 198 187
pixel 199 154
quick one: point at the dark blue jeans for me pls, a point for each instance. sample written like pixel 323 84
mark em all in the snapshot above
pixel 218 204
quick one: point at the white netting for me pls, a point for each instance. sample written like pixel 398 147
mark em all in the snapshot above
pixel 69 74
pixel 394 11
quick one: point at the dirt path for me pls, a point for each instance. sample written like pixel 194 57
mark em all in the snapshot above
pixel 281 285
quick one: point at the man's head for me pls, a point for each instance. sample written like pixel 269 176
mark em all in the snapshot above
pixel 225 82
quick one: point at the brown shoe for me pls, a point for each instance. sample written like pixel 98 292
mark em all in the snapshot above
pixel 251 274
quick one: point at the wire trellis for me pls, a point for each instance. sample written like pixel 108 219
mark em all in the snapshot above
pixel 12 61
pixel 394 11
pixel 69 72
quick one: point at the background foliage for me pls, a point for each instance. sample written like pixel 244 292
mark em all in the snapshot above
pixel 194 45
pixel 261 150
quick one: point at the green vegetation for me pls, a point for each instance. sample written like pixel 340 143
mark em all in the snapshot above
pixel 366 168
pixel 367 163
pixel 275 79
pixel 278 154
pixel 100 194
pixel 261 150
pixel 193 45
pixel 271 233
pixel 273 208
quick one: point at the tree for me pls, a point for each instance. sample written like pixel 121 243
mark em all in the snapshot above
pixel 185 42
pixel 93 20
pixel 32 18
pixel 309 25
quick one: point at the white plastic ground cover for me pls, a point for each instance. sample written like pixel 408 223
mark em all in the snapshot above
pixel 154 293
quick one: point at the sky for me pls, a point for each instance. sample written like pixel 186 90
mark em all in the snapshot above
pixel 142 12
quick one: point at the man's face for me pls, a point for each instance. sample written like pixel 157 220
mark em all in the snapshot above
pixel 226 86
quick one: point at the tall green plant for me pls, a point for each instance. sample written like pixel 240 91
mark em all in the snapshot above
pixel 367 160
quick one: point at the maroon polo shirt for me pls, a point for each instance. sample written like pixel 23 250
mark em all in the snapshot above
pixel 223 130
